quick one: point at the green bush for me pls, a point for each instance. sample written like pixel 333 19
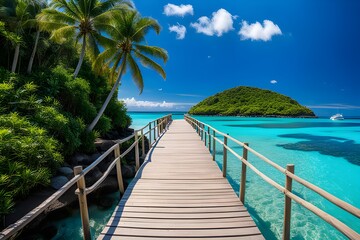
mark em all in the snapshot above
pixel 24 142
pixel 64 128
pixel 116 111
pixel 28 156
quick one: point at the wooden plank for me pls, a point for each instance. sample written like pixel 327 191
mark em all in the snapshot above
pixel 180 221
pixel 184 210
pixel 186 225
pixel 193 215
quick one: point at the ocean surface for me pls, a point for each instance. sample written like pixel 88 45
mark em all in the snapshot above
pixel 324 152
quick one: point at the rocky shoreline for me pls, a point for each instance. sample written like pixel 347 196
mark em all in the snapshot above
pixel 69 199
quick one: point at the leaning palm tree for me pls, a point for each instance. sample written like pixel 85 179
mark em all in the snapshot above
pixel 127 34
pixel 80 20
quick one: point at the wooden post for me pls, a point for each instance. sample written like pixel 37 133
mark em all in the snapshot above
pixel 118 169
pixel 209 142
pixel 243 174
pixel 205 137
pixel 83 203
pixel 199 129
pixel 142 142
pixel 137 160
pixel 287 208
pixel 224 156
pixel 150 134
pixel 202 131
pixel 154 131
pixel 214 145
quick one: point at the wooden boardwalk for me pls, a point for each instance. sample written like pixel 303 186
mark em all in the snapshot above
pixel 179 193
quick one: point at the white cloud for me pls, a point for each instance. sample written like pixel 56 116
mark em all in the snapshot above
pixel 175 10
pixel 334 106
pixel 220 23
pixel 209 56
pixel 273 81
pixel 179 29
pixel 256 31
pixel 160 89
pixel 134 104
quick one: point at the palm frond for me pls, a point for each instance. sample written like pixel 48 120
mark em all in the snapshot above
pixel 50 26
pixel 103 41
pixel 143 26
pixel 63 34
pixel 135 72
pixel 106 55
pixel 54 15
pixel 111 5
pixel 153 51
pixel 148 62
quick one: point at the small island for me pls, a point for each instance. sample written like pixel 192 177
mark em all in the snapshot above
pixel 250 101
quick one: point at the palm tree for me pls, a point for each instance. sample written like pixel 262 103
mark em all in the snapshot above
pixel 36 7
pixel 127 32
pixel 16 14
pixel 80 20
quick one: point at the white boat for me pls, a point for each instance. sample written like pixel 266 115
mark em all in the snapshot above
pixel 337 116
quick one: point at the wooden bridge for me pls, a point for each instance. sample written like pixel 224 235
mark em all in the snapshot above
pixel 179 192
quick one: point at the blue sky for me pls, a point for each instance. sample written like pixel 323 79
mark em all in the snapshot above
pixel 308 50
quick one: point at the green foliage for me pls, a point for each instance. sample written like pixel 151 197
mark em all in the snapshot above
pixel 87 141
pixel 117 113
pixel 28 155
pixel 248 101
pixel 26 143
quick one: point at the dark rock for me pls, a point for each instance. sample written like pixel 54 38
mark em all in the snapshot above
pixel 79 159
pixel 58 181
pixel 103 166
pixel 94 156
pixel 66 171
pixel 110 185
pixel 93 176
pixel 103 144
pixel 112 135
pixel 128 171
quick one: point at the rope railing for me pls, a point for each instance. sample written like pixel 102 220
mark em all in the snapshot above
pixel 155 129
pixel 201 127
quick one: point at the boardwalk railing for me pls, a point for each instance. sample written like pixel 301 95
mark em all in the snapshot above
pixel 152 130
pixel 208 134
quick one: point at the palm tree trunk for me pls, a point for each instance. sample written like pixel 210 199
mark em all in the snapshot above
pixel 82 55
pixel 116 85
pixel 16 57
pixel 33 52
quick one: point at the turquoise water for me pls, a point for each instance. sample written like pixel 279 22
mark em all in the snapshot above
pixel 325 152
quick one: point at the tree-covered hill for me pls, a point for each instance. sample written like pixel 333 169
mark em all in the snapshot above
pixel 249 101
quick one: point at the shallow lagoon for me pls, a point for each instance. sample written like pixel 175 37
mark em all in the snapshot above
pixel 324 152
